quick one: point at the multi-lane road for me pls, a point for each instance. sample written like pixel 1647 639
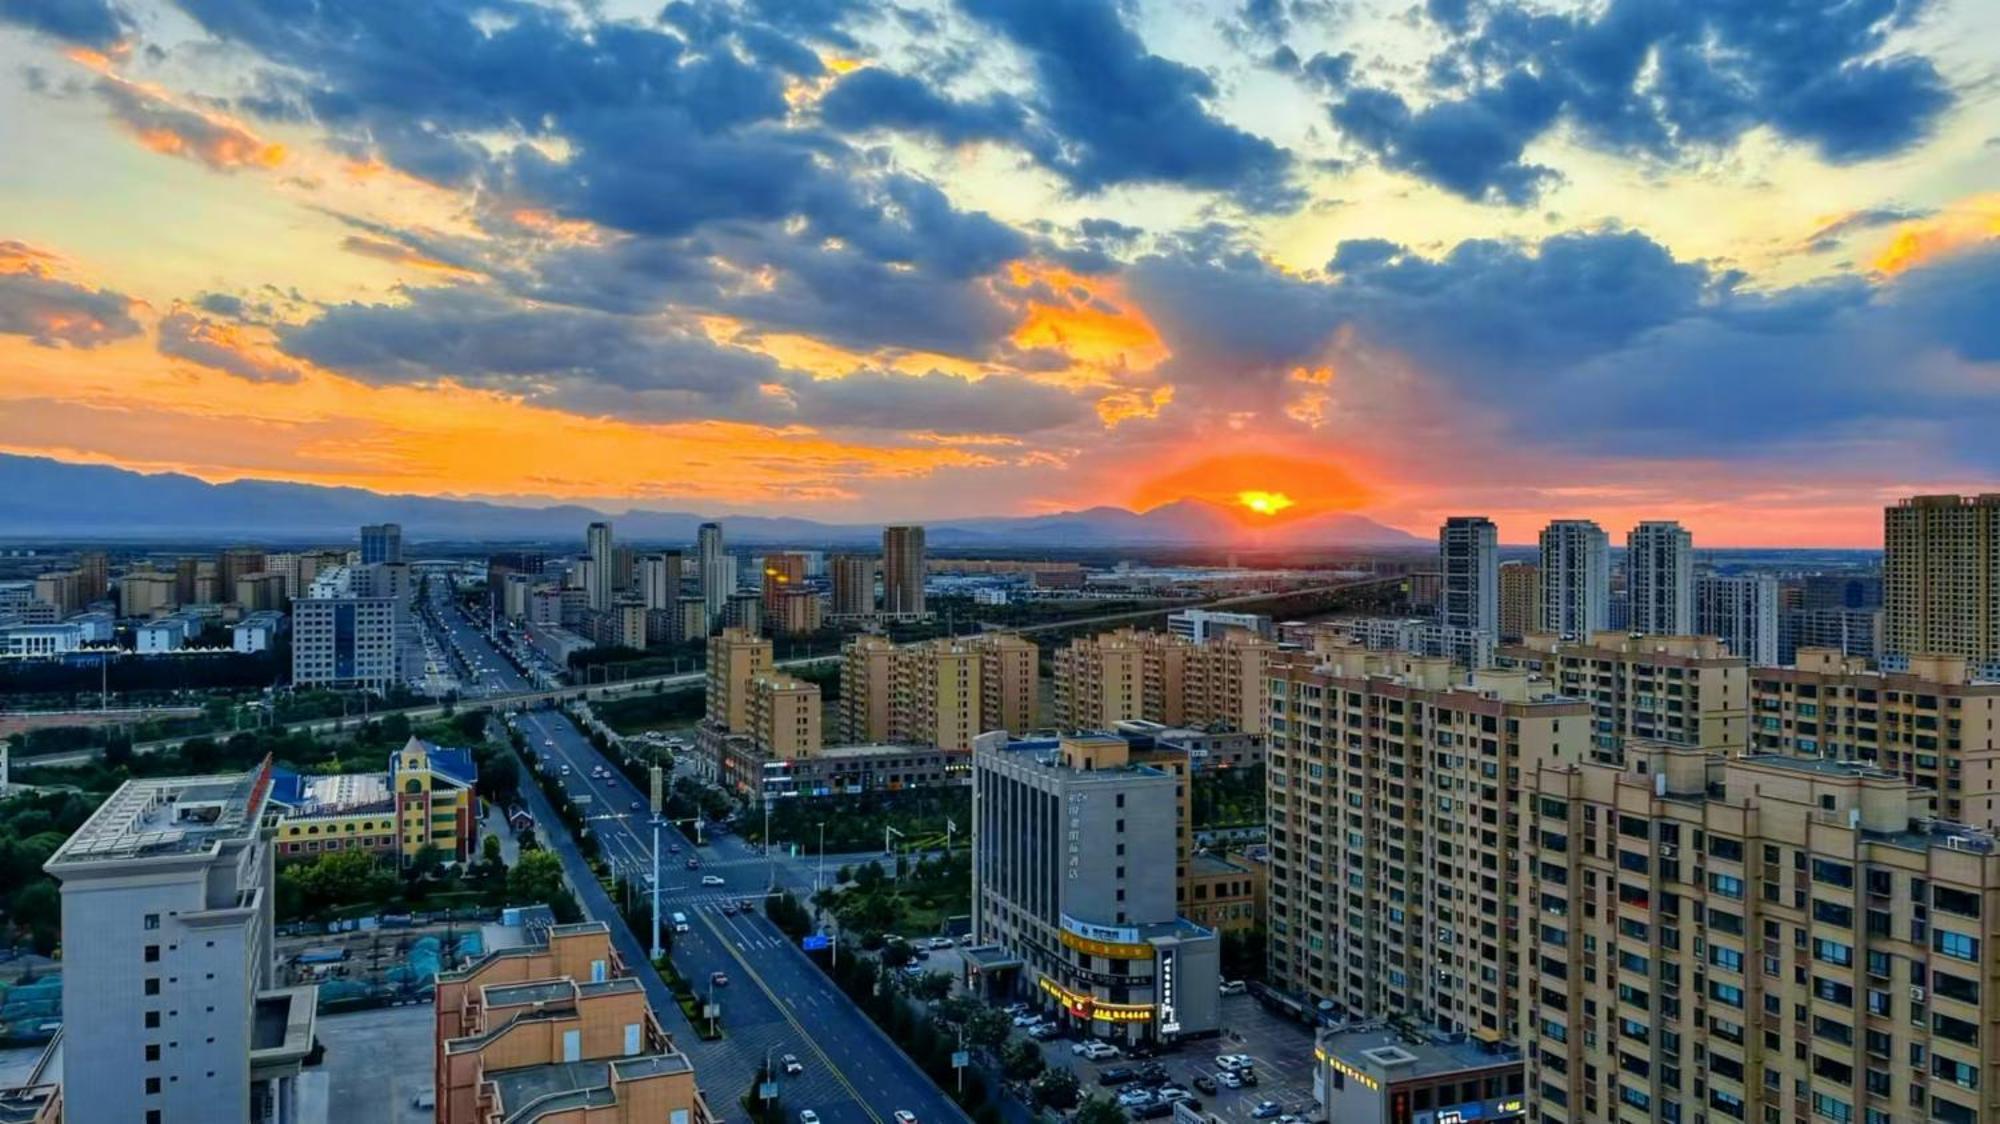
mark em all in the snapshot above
pixel 776 1001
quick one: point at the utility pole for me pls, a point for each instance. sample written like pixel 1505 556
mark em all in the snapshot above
pixel 770 861
pixel 819 872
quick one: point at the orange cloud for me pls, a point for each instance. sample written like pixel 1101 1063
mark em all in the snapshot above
pixel 1960 226
pixel 400 254
pixel 1089 320
pixel 163 124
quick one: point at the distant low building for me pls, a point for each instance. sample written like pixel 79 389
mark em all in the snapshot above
pixel 155 637
pixel 428 797
pixel 40 640
pixel 257 632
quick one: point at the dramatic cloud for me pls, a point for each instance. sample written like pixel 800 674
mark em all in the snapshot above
pixel 50 311
pixel 185 335
pixel 1646 78
pixel 938 403
pixel 87 23
pixel 176 131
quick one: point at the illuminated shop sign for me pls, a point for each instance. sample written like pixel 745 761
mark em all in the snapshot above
pixel 1090 1007
pixel 1170 1023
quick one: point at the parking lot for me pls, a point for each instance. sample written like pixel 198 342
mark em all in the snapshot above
pixel 1281 1051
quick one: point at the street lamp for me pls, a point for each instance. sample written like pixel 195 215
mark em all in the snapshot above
pixel 820 871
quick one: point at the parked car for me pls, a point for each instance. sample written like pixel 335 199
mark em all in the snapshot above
pixel 1234 1061
pixel 1115 1075
pixel 1232 987
pixel 1027 1018
pixel 1204 1082
pixel 1230 1079
pixel 1151 1110
pixel 1132 1097
pixel 1042 1032
pixel 1265 1110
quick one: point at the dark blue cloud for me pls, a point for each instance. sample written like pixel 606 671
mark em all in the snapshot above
pixel 872 98
pixel 1667 79
pixel 1600 342
pixel 1119 114
pixel 89 23
pixel 49 311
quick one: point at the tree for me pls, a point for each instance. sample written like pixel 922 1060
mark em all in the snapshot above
pixel 1056 1088
pixel 1022 1060
pixel 931 986
pixel 988 1028
pixel 538 877
pixel 426 863
pixel 1099 1110
pixel 490 850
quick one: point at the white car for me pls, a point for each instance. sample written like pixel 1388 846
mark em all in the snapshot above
pixel 1232 1062
pixel 1232 987
pixel 792 1064
pixel 1133 1098
pixel 808 1116
pixel 712 880
pixel 1027 1018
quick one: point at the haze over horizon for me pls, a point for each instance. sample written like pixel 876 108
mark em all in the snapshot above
pixel 875 262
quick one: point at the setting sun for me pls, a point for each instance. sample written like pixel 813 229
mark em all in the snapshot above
pixel 1264 503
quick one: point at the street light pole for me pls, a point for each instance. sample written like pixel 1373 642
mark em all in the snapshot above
pixel 770 860
pixel 819 872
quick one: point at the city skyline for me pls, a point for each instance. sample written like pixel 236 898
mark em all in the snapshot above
pixel 1017 258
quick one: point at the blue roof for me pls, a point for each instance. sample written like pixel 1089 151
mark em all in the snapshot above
pixel 287 787
pixel 452 764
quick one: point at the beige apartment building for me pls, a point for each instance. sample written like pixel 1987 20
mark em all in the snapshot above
pixel 1520 599
pixel 735 657
pixel 146 593
pixel 783 573
pixel 1115 677
pixel 783 715
pixel 796 612
pixel 1683 689
pixel 1941 577
pixel 853 586
pixel 558 1033
pixel 1394 805
pixel 903 572
pixel 1932 725
pixel 1755 938
pixel 941 693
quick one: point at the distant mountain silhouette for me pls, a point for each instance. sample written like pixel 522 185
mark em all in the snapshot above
pixel 42 498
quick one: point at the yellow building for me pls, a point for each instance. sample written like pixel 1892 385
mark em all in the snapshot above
pixel 1932 725
pixel 784 715
pixel 1941 577
pixel 1751 938
pixel 1683 689
pixel 1118 676
pixel 735 657
pixel 1394 795
pixel 1225 893
pixel 428 798
pixel 560 1033
pixel 941 693
pixel 1009 681
pixel 1520 599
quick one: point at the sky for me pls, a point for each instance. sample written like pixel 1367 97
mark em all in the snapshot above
pixel 1731 263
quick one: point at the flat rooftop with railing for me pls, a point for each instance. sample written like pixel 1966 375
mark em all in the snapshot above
pixel 169 817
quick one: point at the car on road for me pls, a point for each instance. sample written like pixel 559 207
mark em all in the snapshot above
pixel 694 863
pixel 638 804
pixel 565 770
pixel 673 848
pixel 792 1064
pixel 808 1116
pixel 718 979
pixel 905 1116
pixel 1265 1110
pixel 711 880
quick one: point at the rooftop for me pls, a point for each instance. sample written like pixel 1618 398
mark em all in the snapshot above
pixel 534 1091
pixel 169 816
pixel 1391 1055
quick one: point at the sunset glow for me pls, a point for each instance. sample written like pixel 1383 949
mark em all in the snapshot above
pixel 1264 503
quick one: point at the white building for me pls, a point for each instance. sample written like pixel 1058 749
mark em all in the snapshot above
pixel 1743 612
pixel 1470 648
pixel 1659 578
pixel 257 632
pixel 1198 624
pixel 1576 578
pixel 167 635
pixel 35 640
pixel 341 638
pixel 170 1015
pixel 98 627
pixel 1469 560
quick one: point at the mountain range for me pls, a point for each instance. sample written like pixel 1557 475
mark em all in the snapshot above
pixel 42 498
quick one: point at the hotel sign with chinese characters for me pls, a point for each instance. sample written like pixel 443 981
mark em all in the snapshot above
pixel 1075 831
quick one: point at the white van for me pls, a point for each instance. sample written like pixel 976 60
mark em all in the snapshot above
pixel 680 922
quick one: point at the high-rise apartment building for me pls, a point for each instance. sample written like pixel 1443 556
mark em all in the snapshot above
pixel 1520 599
pixel 853 586
pixel 1659 578
pixel 744 609
pixel 599 578
pixel 94 570
pixel 1752 939
pixel 1393 804
pixel 170 1010
pixel 784 715
pixel 1686 690
pixel 660 579
pixel 1841 591
pixel 1933 725
pixel 557 1030
pixel 1576 578
pixel 717 574
pixel 624 570
pixel 1852 632
pixel 185 569
pixel 63 589
pixel 146 593
pixel 235 563
pixel 381 542
pixel 1113 677
pixel 1009 682
pixel 259 593
pixel 927 694
pixel 903 571
pixel 1742 612
pixel 1069 899
pixel 797 613
pixel 1469 563
pixel 783 573
pixel 735 657
pixel 1941 578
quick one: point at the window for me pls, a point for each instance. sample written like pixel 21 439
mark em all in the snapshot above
pixel 152 921
pixel 1832 952
pixel 152 1051
pixel 1725 958
pixel 152 1020
pixel 152 985
pixel 152 954
pixel 1728 886
pixel 1956 945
